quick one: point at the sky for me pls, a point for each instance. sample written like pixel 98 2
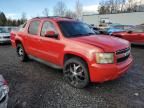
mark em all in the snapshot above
pixel 32 8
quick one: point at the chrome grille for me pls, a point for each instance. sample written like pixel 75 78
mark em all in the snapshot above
pixel 122 51
pixel 123 55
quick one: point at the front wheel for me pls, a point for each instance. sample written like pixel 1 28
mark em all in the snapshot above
pixel 21 53
pixel 76 73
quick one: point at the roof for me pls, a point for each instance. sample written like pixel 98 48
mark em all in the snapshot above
pixel 56 18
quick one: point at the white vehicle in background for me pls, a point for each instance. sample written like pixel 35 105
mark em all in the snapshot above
pixel 4 89
pixel 4 35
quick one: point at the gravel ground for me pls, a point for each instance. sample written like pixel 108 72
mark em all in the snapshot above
pixel 35 85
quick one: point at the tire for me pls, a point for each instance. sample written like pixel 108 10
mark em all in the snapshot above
pixel 21 53
pixel 76 73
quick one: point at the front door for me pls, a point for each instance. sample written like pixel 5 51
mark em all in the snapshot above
pixel 51 48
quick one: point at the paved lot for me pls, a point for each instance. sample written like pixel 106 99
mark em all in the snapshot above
pixel 35 85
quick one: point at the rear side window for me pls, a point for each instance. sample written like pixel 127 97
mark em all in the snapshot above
pixel 24 25
pixel 47 26
pixel 33 28
pixel 21 27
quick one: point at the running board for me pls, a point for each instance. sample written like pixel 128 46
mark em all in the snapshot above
pixel 45 62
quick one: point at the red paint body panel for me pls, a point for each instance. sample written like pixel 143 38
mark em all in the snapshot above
pixel 54 50
pixel 105 72
pixel 133 37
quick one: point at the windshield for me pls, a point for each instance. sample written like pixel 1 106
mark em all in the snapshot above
pixel 4 30
pixel 75 29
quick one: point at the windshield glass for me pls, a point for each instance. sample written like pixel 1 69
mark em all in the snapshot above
pixel 75 29
pixel 4 30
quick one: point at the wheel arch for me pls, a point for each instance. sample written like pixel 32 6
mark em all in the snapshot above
pixel 72 55
pixel 84 63
pixel 17 41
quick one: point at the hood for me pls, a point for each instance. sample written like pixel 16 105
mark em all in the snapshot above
pixel 107 43
pixel 4 34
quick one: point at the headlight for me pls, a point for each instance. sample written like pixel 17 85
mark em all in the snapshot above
pixel 4 89
pixel 105 58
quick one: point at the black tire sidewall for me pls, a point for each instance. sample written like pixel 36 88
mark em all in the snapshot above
pixel 85 68
pixel 24 57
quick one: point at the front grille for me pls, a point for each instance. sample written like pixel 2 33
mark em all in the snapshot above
pixel 122 59
pixel 123 55
pixel 122 51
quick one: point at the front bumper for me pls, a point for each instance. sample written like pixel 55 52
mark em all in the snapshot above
pixel 104 72
pixel 4 40
pixel 4 102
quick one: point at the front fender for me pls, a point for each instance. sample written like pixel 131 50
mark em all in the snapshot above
pixel 87 56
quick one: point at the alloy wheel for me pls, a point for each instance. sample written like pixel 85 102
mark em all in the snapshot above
pixel 20 52
pixel 74 74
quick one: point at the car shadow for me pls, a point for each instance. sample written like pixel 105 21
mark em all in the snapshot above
pixel 137 46
pixel 91 86
pixel 5 44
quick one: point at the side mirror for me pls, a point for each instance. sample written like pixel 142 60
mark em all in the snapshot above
pixel 51 34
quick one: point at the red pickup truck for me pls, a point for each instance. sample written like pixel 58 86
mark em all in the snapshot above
pixel 73 46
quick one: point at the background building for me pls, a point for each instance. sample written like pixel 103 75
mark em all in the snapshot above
pixel 134 18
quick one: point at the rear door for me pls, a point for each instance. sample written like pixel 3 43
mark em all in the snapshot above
pixel 33 39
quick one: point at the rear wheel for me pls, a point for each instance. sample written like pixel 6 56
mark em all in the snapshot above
pixel 21 53
pixel 76 73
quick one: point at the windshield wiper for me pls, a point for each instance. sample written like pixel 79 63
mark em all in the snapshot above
pixel 80 34
pixel 90 34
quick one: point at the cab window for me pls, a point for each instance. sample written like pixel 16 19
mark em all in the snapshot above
pixel 33 28
pixel 47 26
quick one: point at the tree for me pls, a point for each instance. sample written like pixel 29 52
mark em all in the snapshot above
pixel 70 14
pixel 78 9
pixel 3 19
pixel 102 10
pixel 104 7
pixel 122 5
pixel 60 9
pixel 46 12
pixel 9 22
pixel 130 5
pixel 119 6
pixel 23 18
pixel 14 22
pixel 141 6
